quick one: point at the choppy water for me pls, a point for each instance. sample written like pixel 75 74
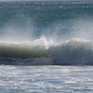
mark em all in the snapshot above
pixel 46 79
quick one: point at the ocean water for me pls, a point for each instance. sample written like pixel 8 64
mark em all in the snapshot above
pixel 46 79
pixel 46 47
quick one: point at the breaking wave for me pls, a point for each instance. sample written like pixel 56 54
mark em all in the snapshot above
pixel 42 52
pixel 46 34
pixel 73 52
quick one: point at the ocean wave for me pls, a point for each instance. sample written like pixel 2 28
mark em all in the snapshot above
pixel 73 52
pixel 27 61
pixel 26 53
pixel 23 50
pixel 42 52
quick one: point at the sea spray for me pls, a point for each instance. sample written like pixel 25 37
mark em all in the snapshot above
pixel 73 52
pixel 45 32
pixel 27 53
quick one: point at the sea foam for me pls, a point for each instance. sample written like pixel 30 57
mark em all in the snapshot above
pixel 41 52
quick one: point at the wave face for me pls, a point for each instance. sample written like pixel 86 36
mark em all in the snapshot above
pixel 28 53
pixel 42 52
pixel 46 33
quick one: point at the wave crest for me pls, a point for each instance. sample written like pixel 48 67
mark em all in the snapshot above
pixel 41 52
pixel 73 52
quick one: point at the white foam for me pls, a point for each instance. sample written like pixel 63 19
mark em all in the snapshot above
pixel 40 51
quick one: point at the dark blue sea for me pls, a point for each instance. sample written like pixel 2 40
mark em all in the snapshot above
pixel 46 47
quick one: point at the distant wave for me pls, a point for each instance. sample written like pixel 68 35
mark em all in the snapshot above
pixel 42 52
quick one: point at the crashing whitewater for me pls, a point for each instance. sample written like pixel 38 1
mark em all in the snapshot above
pixel 43 52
